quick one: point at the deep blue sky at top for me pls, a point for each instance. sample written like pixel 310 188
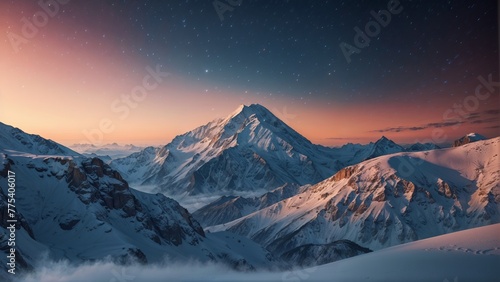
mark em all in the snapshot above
pixel 292 47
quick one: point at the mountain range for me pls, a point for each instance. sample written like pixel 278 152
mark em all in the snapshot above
pixel 106 152
pixel 70 207
pixel 250 150
pixel 385 201
pixel 309 204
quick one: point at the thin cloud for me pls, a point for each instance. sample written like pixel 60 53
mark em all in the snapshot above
pixel 472 118
pixel 417 128
pixel 344 138
pixel 492 112
pixel 486 120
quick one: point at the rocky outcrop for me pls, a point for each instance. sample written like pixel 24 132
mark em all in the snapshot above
pixel 469 138
pixel 345 173
pixel 95 182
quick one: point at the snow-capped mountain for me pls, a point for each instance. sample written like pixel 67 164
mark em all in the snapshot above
pixel 249 150
pixel 228 208
pixel 12 138
pixel 137 163
pixel 469 138
pixel 350 154
pixel 107 151
pixel 386 201
pixel 80 209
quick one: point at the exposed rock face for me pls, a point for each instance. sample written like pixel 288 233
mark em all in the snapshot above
pixel 105 200
pixel 386 201
pixel 87 182
pixel 344 173
pixel 469 138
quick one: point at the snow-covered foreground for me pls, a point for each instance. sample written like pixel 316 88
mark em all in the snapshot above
pixel 470 255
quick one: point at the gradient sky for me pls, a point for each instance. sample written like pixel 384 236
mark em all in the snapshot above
pixel 69 75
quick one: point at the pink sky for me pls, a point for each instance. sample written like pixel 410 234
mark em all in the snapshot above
pixel 59 90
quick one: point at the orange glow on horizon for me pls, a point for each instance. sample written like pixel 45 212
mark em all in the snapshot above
pixel 59 89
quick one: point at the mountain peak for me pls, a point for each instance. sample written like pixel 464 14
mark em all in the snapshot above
pixel 475 135
pixel 248 149
pixel 384 139
pixel 253 113
pixel 238 110
pixel 469 138
pixel 384 146
pixel 249 110
pixel 13 138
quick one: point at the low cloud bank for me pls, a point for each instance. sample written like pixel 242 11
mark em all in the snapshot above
pixel 110 272
pixel 107 271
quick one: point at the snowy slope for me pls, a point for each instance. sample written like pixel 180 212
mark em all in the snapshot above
pixel 470 255
pixel 79 209
pixel 12 138
pixel 386 201
pixel 249 150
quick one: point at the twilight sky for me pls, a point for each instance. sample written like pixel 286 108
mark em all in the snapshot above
pixel 143 72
